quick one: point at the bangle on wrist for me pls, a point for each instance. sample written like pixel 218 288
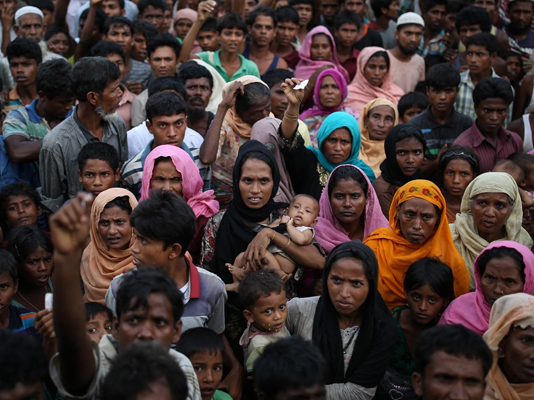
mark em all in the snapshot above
pixel 291 117
pixel 274 234
pixel 287 244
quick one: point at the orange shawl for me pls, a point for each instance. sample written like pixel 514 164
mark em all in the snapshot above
pixel 395 254
pixel 100 264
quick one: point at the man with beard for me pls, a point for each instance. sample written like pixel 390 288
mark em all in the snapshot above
pixel 198 84
pixel 407 68
pixel 95 81
pixel 518 30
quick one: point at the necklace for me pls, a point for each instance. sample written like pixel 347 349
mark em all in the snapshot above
pixel 27 301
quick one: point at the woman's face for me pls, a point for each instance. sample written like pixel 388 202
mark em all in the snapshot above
pixel 114 228
pixel 376 70
pixel 256 183
pixel 166 177
pixel 348 201
pixel 418 220
pixel 490 213
pixel 321 48
pixel 457 175
pixel 59 44
pixel 337 146
pixel 500 278
pixel 330 94
pixel 425 304
pixel 258 110
pixel 36 269
pixel 516 355
pixel 348 286
pixel 410 155
pixel 380 122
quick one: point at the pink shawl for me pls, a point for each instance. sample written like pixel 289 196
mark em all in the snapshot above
pixel 202 203
pixel 362 92
pixel 306 66
pixel 185 13
pixel 328 230
pixel 472 310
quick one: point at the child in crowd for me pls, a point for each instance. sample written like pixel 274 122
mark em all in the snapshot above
pixel 526 162
pixel 516 172
pixel 208 35
pixel 98 167
pixel 297 226
pixel 411 105
pixel 205 349
pixel 98 320
pixel 19 205
pixel 263 297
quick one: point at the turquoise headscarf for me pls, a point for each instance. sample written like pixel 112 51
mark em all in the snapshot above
pixel 330 124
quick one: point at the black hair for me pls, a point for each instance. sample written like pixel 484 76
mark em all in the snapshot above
pixel 410 133
pixel 492 88
pixel 510 53
pixel 100 18
pixel 257 284
pixel 410 100
pixel 163 83
pixel 524 160
pixel 165 217
pixel 430 4
pixel 54 29
pixel 288 364
pixel 92 74
pixel 132 373
pixel 8 265
pixel 92 309
pixel 22 47
pixel 98 151
pixel 47 5
pixel 50 78
pixel 231 20
pixel 192 70
pixel 26 239
pixel 105 48
pixel 455 340
pixel 459 152
pixel 517 1
pixel 432 272
pixel 165 103
pixel 17 189
pixel 442 76
pixel 381 53
pixel 263 11
pixel 119 21
pixel 499 253
pixel 346 173
pixel 254 92
pixel 140 283
pixel 123 202
pixel 164 39
pixel 347 17
pixel 511 168
pixel 293 3
pixel 256 155
pixel 484 39
pixel 157 4
pixel 455 6
pixel 145 28
pixel 433 59
pixel 378 5
pixel 287 14
pixel 23 360
pixel 200 340
pixel 209 25
pixel 274 76
pixel 473 15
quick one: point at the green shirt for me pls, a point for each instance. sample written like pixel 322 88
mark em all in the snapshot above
pixel 220 395
pixel 247 67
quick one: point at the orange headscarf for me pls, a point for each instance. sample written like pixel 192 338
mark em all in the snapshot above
pixel 99 263
pixel 395 254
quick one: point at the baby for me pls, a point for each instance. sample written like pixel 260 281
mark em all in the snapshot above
pixel 300 219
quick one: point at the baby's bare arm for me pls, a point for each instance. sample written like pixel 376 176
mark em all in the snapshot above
pixel 298 237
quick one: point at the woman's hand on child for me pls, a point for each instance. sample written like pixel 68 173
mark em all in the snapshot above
pixel 254 256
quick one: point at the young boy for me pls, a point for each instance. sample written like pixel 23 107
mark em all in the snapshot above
pixel 98 167
pixel 526 162
pixel 19 205
pixel 208 36
pixel 286 29
pixel 143 31
pixel 98 319
pixel 385 16
pixel 305 10
pixel 205 349
pixel 263 297
pixel 347 28
pixel 411 105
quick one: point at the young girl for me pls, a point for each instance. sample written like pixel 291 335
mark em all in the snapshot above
pixel 458 167
pixel 428 286
pixel 33 251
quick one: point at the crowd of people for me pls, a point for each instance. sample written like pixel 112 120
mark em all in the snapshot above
pixel 267 199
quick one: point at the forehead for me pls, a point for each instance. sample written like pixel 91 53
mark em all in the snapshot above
pixel 119 28
pixel 21 59
pixel 270 299
pixel 152 10
pixel 6 278
pixel 340 133
pixel 206 357
pixel 418 205
pixel 59 36
pixel 493 102
pixel 475 48
pixel 458 163
pixel 168 118
pixel 30 19
pixel 443 363
pixel 95 164
pixel 114 57
pixel 329 79
pixel 382 110
pixel 492 196
pixel 18 199
pixel 157 303
pixel 408 143
pixel 101 317
pixel 305 201
pixel 253 165
pixel 197 81
pixel 264 20
pixel 521 5
pixel 321 38
pixel 376 60
pixel 411 28
pixel 438 8
pixel 162 51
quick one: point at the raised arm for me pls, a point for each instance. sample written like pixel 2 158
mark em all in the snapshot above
pixel 60 12
pixel 205 8
pixel 85 40
pixel 290 122
pixel 299 238
pixel 7 22
pixel 70 227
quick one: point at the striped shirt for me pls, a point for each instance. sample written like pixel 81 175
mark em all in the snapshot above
pixel 22 321
pixel 508 143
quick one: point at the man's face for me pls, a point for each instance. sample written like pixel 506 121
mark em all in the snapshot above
pixel 31 26
pixel 8 4
pixel 478 59
pixel 466 31
pixel 442 99
pixel 393 10
pixel 358 6
pixel 347 35
pixel 514 68
pixel 138 51
pixel 434 17
pixel 262 31
pixel 108 101
pixel 111 8
pixel 249 6
pixel 167 20
pixel 150 252
pixel 521 13
pixel 168 129
pixel 488 5
pixel 285 33
pixel 59 106
pixel 231 39
pixel 119 62
pixel 23 70
pixel 154 16
pixel 305 13
pixel 279 102
pixel 48 17
pixel 208 40
pixel 491 114
pixel 198 93
pixel 408 38
pixel 97 176
pixel 122 35
pixel 448 377
pixel 163 61
pixel 329 10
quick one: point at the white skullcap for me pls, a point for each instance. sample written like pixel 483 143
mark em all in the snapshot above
pixel 410 18
pixel 28 10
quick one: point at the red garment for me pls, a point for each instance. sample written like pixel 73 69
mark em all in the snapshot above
pixel 350 63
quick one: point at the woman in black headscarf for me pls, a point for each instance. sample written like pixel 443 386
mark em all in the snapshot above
pixel 405 151
pixel 349 322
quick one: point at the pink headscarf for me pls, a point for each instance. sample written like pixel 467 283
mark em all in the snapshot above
pixel 202 203
pixel 362 92
pixel 472 310
pixel 306 66
pixel 329 232
pixel 185 13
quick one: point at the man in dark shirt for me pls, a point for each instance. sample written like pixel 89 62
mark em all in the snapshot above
pixel 522 37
